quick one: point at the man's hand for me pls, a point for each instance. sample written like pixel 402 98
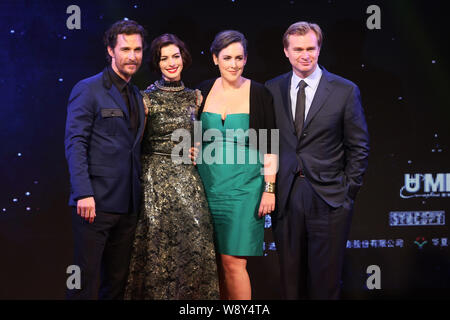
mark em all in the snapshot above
pixel 86 209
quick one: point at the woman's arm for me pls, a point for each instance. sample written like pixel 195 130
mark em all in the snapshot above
pixel 267 204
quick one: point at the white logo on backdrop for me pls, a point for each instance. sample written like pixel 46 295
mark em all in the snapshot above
pixel 416 218
pixel 426 185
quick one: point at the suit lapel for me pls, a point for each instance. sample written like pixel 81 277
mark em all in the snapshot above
pixel 114 93
pixel 321 95
pixel 285 86
pixel 117 97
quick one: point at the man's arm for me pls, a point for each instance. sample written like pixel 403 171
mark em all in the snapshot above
pixel 80 118
pixel 356 142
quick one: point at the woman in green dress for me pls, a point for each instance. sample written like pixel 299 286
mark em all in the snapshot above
pixel 173 255
pixel 239 188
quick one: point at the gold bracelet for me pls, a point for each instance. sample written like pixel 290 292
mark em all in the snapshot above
pixel 269 187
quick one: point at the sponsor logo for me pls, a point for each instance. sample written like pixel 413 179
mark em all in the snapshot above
pixel 439 242
pixel 416 218
pixel 378 243
pixel 426 185
pixel 420 242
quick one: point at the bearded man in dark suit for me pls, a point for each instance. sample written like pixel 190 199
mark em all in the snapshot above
pixel 105 121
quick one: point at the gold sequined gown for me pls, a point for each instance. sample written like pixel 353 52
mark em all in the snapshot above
pixel 173 254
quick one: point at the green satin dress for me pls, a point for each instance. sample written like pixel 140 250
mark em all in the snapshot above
pixel 232 176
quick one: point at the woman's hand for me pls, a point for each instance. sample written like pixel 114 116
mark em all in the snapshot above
pixel 193 153
pixel 198 98
pixel 267 204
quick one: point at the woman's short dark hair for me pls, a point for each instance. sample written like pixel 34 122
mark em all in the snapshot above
pixel 163 41
pixel 225 38
pixel 122 26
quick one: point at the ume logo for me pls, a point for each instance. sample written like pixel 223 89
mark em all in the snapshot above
pixel 427 184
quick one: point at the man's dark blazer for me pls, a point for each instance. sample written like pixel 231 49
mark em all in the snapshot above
pixel 334 146
pixel 102 152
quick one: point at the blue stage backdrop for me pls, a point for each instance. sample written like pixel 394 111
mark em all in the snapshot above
pixel 395 51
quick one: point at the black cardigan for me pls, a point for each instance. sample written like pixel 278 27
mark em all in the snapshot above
pixel 262 114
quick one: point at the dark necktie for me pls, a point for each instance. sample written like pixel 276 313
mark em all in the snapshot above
pixel 300 108
pixel 132 109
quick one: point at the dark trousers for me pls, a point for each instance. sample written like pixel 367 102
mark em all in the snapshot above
pixel 310 238
pixel 102 248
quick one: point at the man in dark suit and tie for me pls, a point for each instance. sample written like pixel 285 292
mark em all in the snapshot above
pixel 324 148
pixel 105 121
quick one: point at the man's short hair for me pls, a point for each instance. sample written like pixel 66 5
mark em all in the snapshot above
pixel 301 28
pixel 122 26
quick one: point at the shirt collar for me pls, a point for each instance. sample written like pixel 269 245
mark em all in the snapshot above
pixel 312 80
pixel 116 79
